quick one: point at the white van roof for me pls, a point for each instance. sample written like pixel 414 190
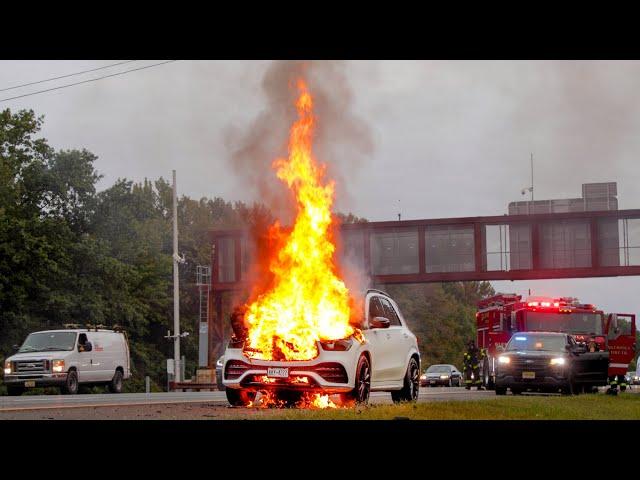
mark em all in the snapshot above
pixel 78 330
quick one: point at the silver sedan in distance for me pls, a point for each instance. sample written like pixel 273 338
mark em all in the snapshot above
pixel 445 375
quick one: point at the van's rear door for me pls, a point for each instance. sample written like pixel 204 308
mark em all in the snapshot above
pixel 621 339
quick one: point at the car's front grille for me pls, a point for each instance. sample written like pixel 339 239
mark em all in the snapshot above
pixel 540 366
pixel 330 371
pixel 30 366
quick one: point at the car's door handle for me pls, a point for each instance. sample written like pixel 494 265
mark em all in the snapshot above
pixel 406 336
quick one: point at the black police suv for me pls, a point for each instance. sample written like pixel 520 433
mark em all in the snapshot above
pixel 549 362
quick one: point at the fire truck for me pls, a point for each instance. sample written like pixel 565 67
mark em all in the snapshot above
pixel 612 335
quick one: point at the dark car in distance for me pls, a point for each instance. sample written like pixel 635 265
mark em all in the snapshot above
pixel 549 362
pixel 445 375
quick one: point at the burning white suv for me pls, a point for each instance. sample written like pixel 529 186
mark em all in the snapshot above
pixel 384 358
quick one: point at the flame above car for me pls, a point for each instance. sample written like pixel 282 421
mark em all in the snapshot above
pixel 307 302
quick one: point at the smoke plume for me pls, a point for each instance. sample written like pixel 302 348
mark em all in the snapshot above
pixel 342 139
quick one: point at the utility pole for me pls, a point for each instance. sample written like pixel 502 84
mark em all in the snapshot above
pixel 532 177
pixel 524 190
pixel 176 291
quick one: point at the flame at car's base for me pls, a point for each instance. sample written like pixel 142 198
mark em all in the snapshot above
pixel 269 399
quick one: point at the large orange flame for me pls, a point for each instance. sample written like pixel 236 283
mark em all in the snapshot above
pixel 306 302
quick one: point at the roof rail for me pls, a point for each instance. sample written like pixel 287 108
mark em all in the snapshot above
pixel 74 326
pixel 377 291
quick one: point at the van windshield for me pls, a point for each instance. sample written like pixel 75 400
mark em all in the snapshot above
pixel 49 342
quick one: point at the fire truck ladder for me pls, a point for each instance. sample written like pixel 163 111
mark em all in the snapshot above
pixel 203 280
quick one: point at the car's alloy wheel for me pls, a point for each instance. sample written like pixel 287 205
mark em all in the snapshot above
pixel 409 392
pixel 363 381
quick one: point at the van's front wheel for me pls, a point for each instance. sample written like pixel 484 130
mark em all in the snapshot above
pixel 115 386
pixel 70 386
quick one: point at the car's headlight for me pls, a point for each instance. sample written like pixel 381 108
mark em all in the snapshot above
pixel 423 377
pixel 57 366
pixel 444 377
pixel 557 361
pixel 7 367
pixel 337 345
pixel 504 360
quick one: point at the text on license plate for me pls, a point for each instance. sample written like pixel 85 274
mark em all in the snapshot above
pixel 30 383
pixel 278 372
pixel 528 374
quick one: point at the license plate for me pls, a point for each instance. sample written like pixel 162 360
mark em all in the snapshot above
pixel 528 374
pixel 433 381
pixel 30 383
pixel 278 372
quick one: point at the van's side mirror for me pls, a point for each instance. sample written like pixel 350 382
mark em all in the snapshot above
pixel 379 322
pixel 88 347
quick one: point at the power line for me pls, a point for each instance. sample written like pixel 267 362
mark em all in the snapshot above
pixel 84 81
pixel 65 76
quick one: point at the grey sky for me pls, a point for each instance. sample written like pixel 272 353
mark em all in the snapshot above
pixel 450 138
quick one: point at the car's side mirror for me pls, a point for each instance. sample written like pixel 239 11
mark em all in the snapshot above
pixel 16 347
pixel 380 322
pixel 500 348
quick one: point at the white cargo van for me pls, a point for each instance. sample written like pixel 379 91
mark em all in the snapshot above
pixel 67 359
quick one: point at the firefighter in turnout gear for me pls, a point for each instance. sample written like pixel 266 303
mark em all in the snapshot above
pixel 472 358
pixel 616 381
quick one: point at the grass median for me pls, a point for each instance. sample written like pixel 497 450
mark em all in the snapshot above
pixel 583 407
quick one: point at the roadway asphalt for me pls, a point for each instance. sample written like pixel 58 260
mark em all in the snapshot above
pixel 176 405
pixel 38 402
